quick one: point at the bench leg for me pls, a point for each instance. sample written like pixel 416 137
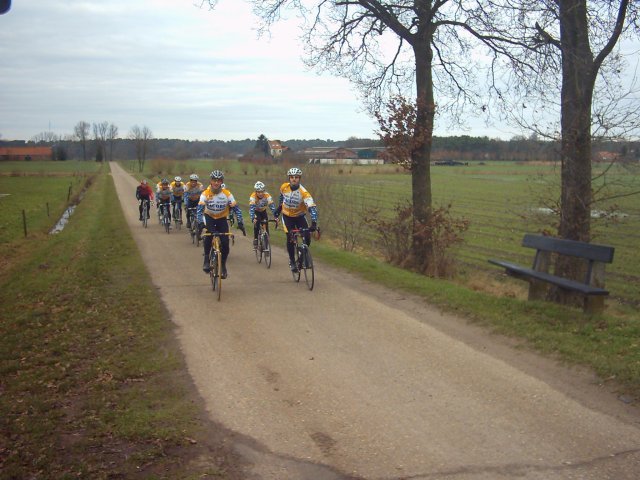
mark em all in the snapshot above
pixel 537 290
pixel 593 304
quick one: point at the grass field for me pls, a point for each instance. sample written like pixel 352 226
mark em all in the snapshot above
pixel 502 201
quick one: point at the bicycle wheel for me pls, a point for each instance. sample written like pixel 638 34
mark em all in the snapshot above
pixel 296 261
pixel 177 218
pixel 258 249
pixel 219 270
pixel 145 212
pixel 213 270
pixel 266 249
pixel 167 223
pixel 307 266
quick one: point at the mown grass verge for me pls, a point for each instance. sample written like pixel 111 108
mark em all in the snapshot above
pixel 92 382
pixel 608 344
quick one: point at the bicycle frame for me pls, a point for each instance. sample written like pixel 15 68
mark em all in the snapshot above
pixel 302 256
pixel 145 212
pixel 193 222
pixel 215 260
pixel 165 220
pixel 263 249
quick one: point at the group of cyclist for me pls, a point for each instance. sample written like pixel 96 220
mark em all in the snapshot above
pixel 215 203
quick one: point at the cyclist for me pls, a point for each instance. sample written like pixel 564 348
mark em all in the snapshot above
pixel 177 192
pixel 259 200
pixel 294 202
pixel 193 190
pixel 144 193
pixel 213 210
pixel 163 195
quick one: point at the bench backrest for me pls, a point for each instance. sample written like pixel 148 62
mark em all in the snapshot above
pixel 597 253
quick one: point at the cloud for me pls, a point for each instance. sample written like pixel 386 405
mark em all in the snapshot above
pixel 183 71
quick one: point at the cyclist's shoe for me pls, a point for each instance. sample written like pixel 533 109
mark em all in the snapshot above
pixel 293 267
pixel 140 218
pixel 205 265
pixel 223 274
pixel 255 244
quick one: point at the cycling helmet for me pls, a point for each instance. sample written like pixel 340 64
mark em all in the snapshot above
pixel 164 180
pixel 217 175
pixel 193 176
pixel 259 187
pixel 178 179
pixel 294 171
pixel 143 182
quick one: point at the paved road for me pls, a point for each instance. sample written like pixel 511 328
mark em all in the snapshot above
pixel 352 380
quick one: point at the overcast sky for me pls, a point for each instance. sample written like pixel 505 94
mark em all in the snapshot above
pixel 181 70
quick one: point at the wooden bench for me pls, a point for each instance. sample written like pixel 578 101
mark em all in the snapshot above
pixel 539 278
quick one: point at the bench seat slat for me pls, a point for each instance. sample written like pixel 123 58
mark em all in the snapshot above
pixel 549 278
pixel 591 251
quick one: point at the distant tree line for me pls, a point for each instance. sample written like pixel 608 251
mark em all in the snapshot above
pixel 464 147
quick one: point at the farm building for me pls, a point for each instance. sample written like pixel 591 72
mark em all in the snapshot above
pixel 276 148
pixel 341 156
pixel 26 153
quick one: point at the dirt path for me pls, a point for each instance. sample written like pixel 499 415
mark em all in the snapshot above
pixel 352 380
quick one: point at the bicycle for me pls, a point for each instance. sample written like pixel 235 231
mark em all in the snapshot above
pixel 165 220
pixel 215 260
pixel 145 213
pixel 263 249
pixel 193 225
pixel 177 214
pixel 302 256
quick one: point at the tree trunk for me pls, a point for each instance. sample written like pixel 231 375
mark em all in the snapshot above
pixel 578 78
pixel 422 250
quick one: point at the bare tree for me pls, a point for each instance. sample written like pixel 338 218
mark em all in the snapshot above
pixel 81 131
pixel 45 137
pixel 568 63
pixel 112 135
pixel 100 139
pixel 141 138
pixel 423 47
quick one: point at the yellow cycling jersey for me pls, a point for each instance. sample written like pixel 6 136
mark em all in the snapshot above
pixel 177 190
pixel 295 202
pixel 217 205
pixel 163 193
pixel 193 192
pixel 260 204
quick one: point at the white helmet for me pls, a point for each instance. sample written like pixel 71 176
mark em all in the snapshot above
pixel 294 171
pixel 178 179
pixel 193 176
pixel 259 186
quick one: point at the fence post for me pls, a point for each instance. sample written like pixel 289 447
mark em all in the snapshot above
pixel 24 222
pixel 48 209
pixel 69 194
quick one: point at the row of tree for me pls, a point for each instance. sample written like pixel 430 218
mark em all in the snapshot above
pixel 140 144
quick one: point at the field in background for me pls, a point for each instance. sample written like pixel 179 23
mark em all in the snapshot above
pixel 42 189
pixel 502 200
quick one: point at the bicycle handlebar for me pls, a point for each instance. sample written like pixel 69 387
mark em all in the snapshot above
pixel 207 233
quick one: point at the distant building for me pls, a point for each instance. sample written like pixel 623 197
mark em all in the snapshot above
pixel 342 156
pixel 276 148
pixel 26 153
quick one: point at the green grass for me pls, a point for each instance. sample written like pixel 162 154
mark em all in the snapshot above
pixel 42 199
pixel 44 168
pixel 93 383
